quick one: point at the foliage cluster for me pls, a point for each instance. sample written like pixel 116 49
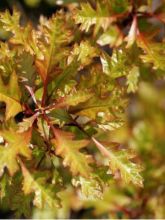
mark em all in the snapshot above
pixel 66 89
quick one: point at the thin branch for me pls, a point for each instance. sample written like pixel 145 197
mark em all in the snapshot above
pixel 44 92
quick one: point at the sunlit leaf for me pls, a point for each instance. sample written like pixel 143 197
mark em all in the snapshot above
pixel 120 161
pixel 132 79
pixel 153 53
pixel 69 149
pixel 15 144
pixel 44 194
pixel 112 36
pixel 10 94
pixel 87 17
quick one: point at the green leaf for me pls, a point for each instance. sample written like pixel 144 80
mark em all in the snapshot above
pixel 25 201
pixel 84 52
pixel 112 199
pixel 44 194
pixel 87 17
pixel 55 34
pixel 102 16
pixel 90 188
pixel 15 144
pixel 101 107
pixel 26 69
pixel 115 66
pixel 77 97
pixel 10 22
pixel 10 94
pixel 4 182
pixel 6 52
pixel 132 79
pixel 154 52
pixel 14 196
pixel 119 161
pixel 60 116
pixel 21 35
pixel 65 76
pixel 119 6
pixel 68 149
pixel 45 42
pixel 102 174
pixel 112 36
pixel 102 110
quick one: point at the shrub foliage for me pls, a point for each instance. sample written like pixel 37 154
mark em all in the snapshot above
pixel 65 87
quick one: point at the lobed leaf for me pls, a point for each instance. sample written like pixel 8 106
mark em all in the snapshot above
pixel 153 52
pixel 44 193
pixel 15 144
pixel 68 149
pixel 10 94
pixel 119 161
pixel 87 17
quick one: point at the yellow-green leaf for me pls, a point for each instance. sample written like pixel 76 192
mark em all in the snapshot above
pixel 37 184
pixel 119 161
pixel 68 149
pixel 14 144
pixel 84 52
pixel 10 94
pixel 112 36
pixel 87 16
pixel 154 52
pixel 132 79
pixel 77 97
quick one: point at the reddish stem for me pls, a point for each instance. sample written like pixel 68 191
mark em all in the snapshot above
pixel 44 92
